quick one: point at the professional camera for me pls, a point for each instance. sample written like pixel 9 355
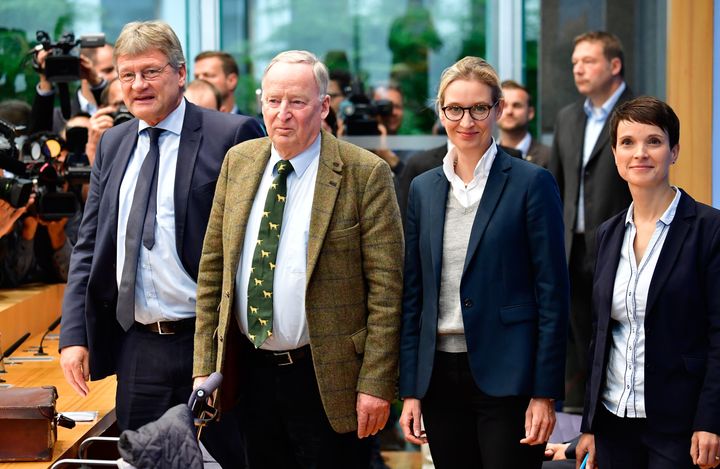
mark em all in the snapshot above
pixel 62 64
pixel 360 113
pixel 15 191
pixel 36 168
pixel 121 115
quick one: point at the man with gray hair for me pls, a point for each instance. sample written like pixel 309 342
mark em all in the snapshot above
pixel 300 282
pixel 129 306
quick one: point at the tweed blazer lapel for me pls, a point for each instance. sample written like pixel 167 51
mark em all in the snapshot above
pixel 327 186
pixel 241 193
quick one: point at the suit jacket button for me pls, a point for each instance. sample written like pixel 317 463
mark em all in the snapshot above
pixel 468 302
pixel 227 293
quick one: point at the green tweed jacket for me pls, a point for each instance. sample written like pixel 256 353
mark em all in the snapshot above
pixel 354 275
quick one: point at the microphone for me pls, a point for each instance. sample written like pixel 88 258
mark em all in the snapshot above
pixel 14 346
pixel 50 328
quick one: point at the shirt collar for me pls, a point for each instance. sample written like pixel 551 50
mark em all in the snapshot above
pixel 482 168
pixel 524 145
pixel 666 218
pixel 603 111
pixel 302 160
pixel 173 122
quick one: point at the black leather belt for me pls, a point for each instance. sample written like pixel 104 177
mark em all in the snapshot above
pixel 169 327
pixel 283 358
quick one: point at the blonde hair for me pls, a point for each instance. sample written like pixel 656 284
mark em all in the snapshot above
pixel 141 36
pixel 469 68
pixel 320 71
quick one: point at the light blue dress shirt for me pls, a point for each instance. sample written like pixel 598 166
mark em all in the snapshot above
pixel 596 117
pixel 164 291
pixel 290 329
pixel 624 391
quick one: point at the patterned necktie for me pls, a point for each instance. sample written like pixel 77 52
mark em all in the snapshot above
pixel 138 221
pixel 260 285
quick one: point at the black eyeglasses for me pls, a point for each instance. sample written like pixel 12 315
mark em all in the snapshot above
pixel 149 74
pixel 478 112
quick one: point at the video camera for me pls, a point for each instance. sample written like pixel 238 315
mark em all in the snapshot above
pixel 37 169
pixel 62 64
pixel 360 113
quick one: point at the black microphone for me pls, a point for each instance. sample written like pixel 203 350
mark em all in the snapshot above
pixel 14 346
pixel 50 328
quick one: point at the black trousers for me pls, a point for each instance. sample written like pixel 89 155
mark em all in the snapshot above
pixel 581 274
pixel 286 424
pixel 467 428
pixel 627 443
pixel 154 374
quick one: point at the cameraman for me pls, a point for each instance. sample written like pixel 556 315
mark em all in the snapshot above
pixel 94 78
pixel 390 125
pixel 14 261
pixel 111 101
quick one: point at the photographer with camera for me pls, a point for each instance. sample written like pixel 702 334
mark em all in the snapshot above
pixel 111 113
pixel 93 74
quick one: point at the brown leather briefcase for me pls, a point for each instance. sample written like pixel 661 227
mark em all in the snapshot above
pixel 27 423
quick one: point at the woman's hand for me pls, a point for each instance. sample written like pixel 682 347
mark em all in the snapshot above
pixel 410 421
pixel 705 449
pixel 586 444
pixel 539 421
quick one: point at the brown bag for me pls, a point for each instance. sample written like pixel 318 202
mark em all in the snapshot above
pixel 28 428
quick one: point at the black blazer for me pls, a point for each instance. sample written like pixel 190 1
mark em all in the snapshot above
pixel 88 313
pixel 606 193
pixel 514 286
pixel 682 322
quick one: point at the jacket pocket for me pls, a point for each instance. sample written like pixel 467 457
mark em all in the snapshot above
pixel 358 339
pixel 695 365
pixel 344 232
pixel 518 313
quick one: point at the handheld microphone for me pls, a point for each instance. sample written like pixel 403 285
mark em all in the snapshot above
pixel 14 346
pixel 50 328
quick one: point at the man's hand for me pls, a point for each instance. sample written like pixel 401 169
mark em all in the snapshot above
pixel 586 445
pixel 372 413
pixel 556 451
pixel 539 421
pixel 8 216
pixel 705 449
pixel 99 123
pixel 87 71
pixel 44 84
pixel 75 363
pixel 411 421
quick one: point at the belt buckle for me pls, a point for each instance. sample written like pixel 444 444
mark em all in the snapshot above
pixel 287 354
pixel 160 329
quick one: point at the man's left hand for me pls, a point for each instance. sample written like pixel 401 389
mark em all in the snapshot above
pixel 372 413
pixel 539 421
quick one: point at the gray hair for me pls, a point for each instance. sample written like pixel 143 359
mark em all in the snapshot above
pixel 141 36
pixel 320 71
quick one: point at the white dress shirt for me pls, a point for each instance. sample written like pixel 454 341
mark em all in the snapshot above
pixel 596 117
pixel 468 195
pixel 624 391
pixel 163 290
pixel 290 330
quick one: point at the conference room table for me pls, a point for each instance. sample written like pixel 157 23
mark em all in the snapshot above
pixel 32 309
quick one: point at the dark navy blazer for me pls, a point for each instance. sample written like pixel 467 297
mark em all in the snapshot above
pixel 514 286
pixel 88 313
pixel 682 322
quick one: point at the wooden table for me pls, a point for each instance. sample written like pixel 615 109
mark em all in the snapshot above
pixel 43 303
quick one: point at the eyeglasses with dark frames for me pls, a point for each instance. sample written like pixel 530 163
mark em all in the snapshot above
pixel 478 112
pixel 148 74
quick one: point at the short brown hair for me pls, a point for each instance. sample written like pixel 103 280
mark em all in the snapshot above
pixel 142 36
pixel 646 110
pixel 513 85
pixel 612 47
pixel 199 83
pixel 469 68
pixel 229 65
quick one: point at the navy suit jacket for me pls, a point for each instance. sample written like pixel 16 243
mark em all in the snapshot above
pixel 682 322
pixel 88 313
pixel 514 286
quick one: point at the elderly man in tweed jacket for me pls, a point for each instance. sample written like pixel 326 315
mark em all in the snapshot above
pixel 315 374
